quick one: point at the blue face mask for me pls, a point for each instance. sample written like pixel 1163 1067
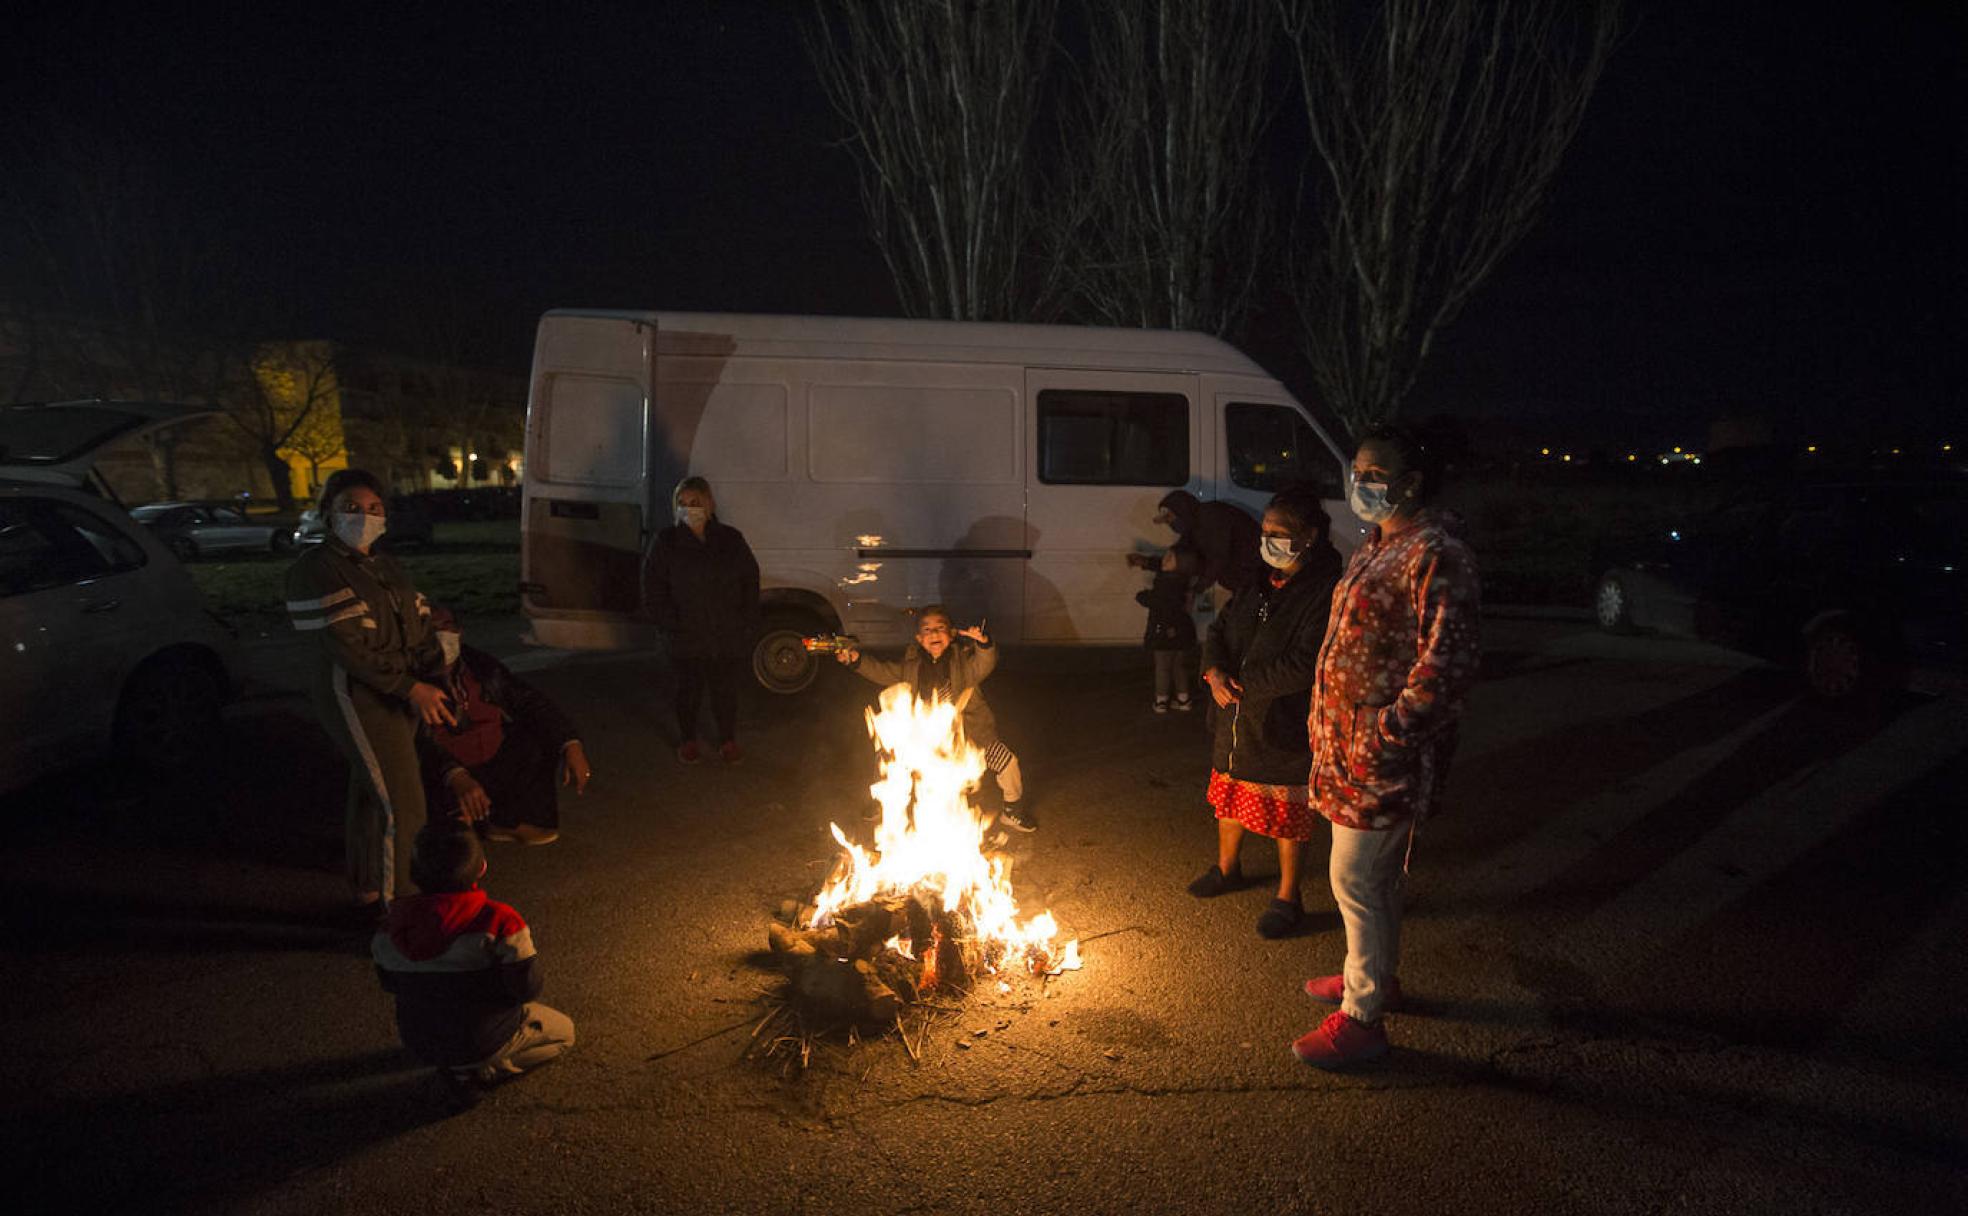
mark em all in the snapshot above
pixel 1369 501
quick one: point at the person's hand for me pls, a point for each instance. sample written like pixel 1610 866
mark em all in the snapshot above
pixel 574 769
pixel 847 656
pixel 1222 687
pixel 432 704
pixel 1143 561
pixel 473 802
pixel 975 633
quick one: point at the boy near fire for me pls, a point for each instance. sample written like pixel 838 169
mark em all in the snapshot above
pixel 463 971
pixel 952 663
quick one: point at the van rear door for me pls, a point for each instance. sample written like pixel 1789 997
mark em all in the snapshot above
pixel 587 499
pixel 1104 447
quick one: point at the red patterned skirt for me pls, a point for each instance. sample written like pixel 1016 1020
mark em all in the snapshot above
pixel 1282 812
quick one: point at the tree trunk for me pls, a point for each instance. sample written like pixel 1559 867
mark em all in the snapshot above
pixel 281 476
pixel 163 449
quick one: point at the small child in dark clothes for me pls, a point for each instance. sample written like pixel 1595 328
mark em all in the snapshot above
pixel 1171 636
pixel 463 971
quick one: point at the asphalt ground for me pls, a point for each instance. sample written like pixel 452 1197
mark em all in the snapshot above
pixel 1683 941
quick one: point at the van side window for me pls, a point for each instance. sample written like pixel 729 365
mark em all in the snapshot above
pixel 1271 446
pixel 1113 439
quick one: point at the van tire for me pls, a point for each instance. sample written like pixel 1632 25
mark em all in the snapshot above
pixel 781 662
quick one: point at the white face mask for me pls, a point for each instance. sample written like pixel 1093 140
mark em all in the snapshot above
pixel 1278 552
pixel 693 517
pixel 359 531
pixel 450 644
pixel 1369 501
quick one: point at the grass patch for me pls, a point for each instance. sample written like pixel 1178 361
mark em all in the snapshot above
pixel 471 568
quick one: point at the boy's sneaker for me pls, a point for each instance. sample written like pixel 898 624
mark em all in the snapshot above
pixel 730 752
pixel 1332 990
pixel 1017 820
pixel 1161 705
pixel 1340 1041
pixel 460 1089
pixel 691 752
pixel 1183 703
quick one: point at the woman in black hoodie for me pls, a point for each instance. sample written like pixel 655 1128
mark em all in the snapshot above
pixel 701 583
pixel 1259 660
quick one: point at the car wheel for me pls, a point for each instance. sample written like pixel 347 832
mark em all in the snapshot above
pixel 184 548
pixel 282 541
pixel 1841 664
pixel 1612 604
pixel 168 714
pixel 780 660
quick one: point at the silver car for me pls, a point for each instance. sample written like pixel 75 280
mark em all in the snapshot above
pixel 105 643
pixel 194 529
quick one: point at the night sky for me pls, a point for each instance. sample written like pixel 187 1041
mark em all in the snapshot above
pixel 1761 214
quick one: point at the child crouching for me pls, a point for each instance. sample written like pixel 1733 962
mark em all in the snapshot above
pixel 950 662
pixel 463 971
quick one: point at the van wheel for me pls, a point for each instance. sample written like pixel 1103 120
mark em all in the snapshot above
pixel 780 660
pixel 168 714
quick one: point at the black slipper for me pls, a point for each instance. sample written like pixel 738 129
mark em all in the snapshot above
pixel 1283 916
pixel 1215 882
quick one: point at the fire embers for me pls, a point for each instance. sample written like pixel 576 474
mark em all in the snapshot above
pixel 927 909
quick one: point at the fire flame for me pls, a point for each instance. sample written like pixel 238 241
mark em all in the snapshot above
pixel 930 841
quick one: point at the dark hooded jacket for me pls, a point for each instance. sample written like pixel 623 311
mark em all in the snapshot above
pixel 1268 640
pixel 1222 535
pixel 703 594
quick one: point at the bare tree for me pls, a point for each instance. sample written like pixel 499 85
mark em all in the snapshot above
pixel 940 96
pixel 291 404
pixel 1160 218
pixel 1438 126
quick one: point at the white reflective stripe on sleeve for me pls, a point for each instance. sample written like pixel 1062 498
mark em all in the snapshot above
pixel 327 601
pixel 311 623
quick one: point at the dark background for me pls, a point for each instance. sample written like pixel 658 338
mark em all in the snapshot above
pixel 1760 215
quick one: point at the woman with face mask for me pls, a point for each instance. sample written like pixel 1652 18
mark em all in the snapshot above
pixel 1258 661
pixel 701 584
pixel 1399 657
pixel 376 678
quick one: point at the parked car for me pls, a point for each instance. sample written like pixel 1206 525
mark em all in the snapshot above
pixel 194 529
pixel 105 642
pixel 1861 582
pixel 409 525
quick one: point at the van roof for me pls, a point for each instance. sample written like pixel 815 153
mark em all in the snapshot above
pixel 967 341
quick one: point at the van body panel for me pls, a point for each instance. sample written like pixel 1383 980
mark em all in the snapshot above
pixel 876 466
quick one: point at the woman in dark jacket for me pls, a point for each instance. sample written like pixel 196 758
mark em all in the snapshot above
pixel 701 584
pixel 1259 661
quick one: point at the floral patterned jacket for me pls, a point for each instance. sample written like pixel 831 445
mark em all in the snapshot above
pixel 1400 655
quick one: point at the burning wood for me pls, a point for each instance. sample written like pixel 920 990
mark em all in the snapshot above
pixel 927 909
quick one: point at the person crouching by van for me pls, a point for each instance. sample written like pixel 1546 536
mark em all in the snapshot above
pixel 701 584
pixel 950 662
pixel 464 972
pixel 1222 535
pixel 1171 636
pixel 501 765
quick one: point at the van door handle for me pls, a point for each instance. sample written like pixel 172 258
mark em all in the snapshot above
pixel 102 605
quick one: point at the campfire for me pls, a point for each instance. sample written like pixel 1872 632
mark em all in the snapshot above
pixel 928 907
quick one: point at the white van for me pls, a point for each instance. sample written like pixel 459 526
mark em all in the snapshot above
pixel 876 466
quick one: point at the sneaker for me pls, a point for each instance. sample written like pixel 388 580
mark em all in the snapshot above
pixel 526 833
pixel 1280 919
pixel 1340 1041
pixel 1184 704
pixel 1215 882
pixel 730 752
pixel 691 752
pixel 1161 705
pixel 1332 990
pixel 1017 820
pixel 503 835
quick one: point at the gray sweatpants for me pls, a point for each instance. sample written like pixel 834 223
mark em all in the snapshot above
pixel 1175 673
pixel 378 736
pixel 544 1034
